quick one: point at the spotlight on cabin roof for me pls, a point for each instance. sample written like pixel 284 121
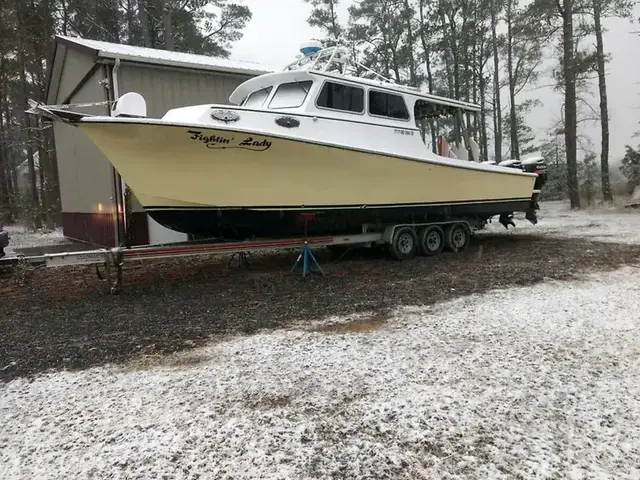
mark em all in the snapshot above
pixel 310 47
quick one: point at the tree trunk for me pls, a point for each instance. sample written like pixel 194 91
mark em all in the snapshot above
pixel 5 199
pixel 604 107
pixel 167 17
pixel 5 187
pixel 447 53
pixel 65 17
pixel 334 20
pixel 570 114
pixel 410 42
pixel 482 88
pixel 474 84
pixel 496 85
pixel 129 16
pixel 432 125
pixel 427 61
pixel 513 120
pixel 48 185
pixel 22 63
pixel 143 15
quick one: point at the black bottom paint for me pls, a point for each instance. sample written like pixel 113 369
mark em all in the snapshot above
pixel 244 224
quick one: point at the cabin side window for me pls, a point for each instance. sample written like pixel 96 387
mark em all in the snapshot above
pixel 336 96
pixel 290 95
pixel 387 105
pixel 257 98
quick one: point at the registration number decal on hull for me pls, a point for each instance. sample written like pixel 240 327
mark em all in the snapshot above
pixel 216 141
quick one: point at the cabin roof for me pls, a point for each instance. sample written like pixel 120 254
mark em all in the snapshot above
pixel 266 80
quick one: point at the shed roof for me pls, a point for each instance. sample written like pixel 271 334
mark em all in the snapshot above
pixel 107 50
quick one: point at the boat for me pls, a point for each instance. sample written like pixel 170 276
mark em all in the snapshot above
pixel 325 145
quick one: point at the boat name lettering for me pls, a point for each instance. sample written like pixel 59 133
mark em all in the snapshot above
pixel 403 132
pixel 215 141
pixel 209 141
pixel 250 142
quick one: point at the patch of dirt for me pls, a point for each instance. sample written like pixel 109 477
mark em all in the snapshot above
pixel 176 360
pixel 267 401
pixel 62 319
pixel 358 325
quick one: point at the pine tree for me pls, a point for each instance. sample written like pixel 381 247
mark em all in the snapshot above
pixel 600 9
pixel 324 15
pixel 27 30
pixel 560 14
pixel 630 167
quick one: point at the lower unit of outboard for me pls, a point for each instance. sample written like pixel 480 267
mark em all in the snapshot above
pixel 4 241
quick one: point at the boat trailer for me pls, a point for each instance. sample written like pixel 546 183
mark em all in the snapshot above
pixel 403 240
pixel 109 261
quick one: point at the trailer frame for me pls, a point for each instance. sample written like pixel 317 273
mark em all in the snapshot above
pixel 112 259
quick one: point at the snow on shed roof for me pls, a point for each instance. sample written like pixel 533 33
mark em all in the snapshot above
pixel 165 57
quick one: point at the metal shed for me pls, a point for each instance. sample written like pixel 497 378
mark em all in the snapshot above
pixel 87 71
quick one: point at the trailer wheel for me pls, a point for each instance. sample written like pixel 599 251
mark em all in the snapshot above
pixel 404 244
pixel 457 237
pixel 431 240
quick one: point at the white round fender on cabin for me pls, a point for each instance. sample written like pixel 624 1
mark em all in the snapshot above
pixel 130 104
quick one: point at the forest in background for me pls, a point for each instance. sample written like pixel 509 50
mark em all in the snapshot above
pixel 27 31
pixel 487 52
pixel 490 52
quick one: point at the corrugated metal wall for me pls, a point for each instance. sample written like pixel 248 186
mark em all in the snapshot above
pixel 75 66
pixel 86 180
pixel 165 88
pixel 85 174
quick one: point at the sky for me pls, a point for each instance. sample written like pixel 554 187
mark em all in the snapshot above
pixel 278 27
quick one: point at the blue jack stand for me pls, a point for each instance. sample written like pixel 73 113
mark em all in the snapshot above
pixel 308 261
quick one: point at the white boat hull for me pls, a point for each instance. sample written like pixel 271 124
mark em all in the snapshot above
pixel 168 166
pixel 214 182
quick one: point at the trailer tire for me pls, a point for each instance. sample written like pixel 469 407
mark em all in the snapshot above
pixel 431 240
pixel 457 237
pixel 404 244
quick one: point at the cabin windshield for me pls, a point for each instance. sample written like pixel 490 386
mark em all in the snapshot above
pixel 257 98
pixel 290 95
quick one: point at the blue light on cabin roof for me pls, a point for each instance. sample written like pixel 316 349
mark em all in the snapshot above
pixel 310 50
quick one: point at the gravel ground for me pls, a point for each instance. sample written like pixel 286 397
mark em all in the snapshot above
pixel 379 369
pixel 548 388
pixel 61 320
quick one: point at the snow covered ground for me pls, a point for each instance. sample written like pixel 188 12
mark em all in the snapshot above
pixel 541 382
pixel 557 219
pixel 532 382
pixel 20 237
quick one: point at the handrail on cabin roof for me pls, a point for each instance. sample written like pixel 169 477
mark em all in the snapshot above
pixel 342 62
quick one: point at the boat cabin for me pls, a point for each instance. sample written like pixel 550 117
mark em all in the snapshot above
pixel 319 84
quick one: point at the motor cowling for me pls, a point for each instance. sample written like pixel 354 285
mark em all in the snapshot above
pixel 536 165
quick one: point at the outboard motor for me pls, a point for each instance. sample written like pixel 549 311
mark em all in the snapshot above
pixel 536 165
pixel 4 240
pixel 511 163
